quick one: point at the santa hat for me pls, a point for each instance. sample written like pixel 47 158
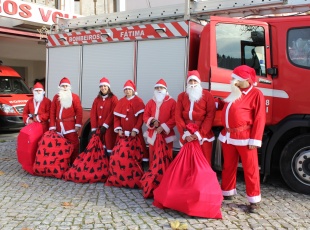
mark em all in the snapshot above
pixel 130 85
pixel 243 73
pixel 64 81
pixel 161 83
pixel 38 86
pixel 193 75
pixel 104 81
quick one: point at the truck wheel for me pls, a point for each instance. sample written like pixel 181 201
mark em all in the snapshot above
pixel 295 164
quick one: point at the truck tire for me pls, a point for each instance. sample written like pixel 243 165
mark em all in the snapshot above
pixel 295 164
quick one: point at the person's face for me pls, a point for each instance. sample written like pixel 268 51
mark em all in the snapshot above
pixel 104 89
pixel 65 87
pixel 192 82
pixel 242 84
pixel 38 91
pixel 159 88
pixel 128 92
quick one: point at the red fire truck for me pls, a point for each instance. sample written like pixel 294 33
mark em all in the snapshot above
pixel 14 94
pixel 272 36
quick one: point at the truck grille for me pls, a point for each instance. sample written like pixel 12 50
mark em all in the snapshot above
pixel 20 109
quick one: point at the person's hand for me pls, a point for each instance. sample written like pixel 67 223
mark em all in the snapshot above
pixel 102 130
pixel 252 147
pixel 120 133
pixel 35 119
pixel 77 128
pixel 156 124
pixel 133 133
pixel 194 136
pixel 189 138
pixel 159 129
pixel 30 121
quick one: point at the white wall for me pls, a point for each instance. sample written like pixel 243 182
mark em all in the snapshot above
pixel 140 4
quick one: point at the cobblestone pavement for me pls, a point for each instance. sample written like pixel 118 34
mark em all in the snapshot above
pixel 29 202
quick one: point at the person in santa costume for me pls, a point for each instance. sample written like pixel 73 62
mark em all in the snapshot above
pixel 243 118
pixel 159 117
pixel 66 115
pixel 196 105
pixel 128 114
pixel 101 114
pixel 37 109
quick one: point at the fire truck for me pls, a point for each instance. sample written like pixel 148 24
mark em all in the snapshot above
pixel 214 37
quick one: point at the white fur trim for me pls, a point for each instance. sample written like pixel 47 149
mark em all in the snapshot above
pixel 186 134
pixel 198 135
pixel 230 192
pixel 93 129
pixel 105 125
pixel 119 114
pixel 78 125
pixel 140 111
pixel 117 129
pixel 149 122
pixel 165 127
pixel 257 143
pixel 160 85
pixel 235 76
pixel 194 78
pixel 104 83
pixel 38 118
pixel 52 128
pixel 135 130
pixel 254 199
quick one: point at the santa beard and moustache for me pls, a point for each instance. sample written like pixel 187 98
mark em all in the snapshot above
pixel 38 96
pixel 160 95
pixel 194 92
pixel 235 92
pixel 65 97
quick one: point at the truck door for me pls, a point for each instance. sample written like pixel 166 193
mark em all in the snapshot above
pixel 235 42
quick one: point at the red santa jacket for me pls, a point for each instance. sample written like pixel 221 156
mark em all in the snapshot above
pixel 244 120
pixel 42 109
pixel 163 112
pixel 129 115
pixel 101 113
pixel 201 113
pixel 65 120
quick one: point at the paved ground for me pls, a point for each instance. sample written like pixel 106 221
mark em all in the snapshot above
pixel 28 202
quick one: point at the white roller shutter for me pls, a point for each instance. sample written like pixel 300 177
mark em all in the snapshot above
pixel 63 62
pixel 114 61
pixel 161 59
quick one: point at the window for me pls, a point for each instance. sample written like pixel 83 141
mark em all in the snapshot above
pixel 13 85
pixel 241 45
pixel 298 47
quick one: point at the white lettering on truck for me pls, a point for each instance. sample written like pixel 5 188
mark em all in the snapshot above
pixel 132 33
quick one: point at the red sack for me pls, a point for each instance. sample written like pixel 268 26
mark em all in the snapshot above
pixel 125 163
pixel 53 155
pixel 190 185
pixel 151 179
pixel 27 145
pixel 91 165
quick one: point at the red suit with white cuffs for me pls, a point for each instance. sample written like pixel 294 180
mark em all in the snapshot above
pixel 164 113
pixel 243 121
pixel 128 117
pixel 201 113
pixel 64 121
pixel 101 114
pixel 41 109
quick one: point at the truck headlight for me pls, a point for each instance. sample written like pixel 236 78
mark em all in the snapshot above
pixel 7 108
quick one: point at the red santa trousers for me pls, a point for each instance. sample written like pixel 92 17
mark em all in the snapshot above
pixel 249 161
pixel 74 139
pixel 207 150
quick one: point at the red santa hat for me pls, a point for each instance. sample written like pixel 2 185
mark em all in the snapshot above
pixel 130 85
pixel 38 86
pixel 161 83
pixel 64 81
pixel 193 75
pixel 104 81
pixel 243 73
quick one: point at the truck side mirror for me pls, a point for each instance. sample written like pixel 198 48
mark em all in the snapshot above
pixel 272 71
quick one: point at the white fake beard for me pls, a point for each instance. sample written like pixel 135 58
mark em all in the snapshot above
pixel 235 92
pixel 38 97
pixel 194 92
pixel 160 95
pixel 65 98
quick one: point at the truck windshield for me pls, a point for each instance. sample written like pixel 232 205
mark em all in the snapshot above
pixel 13 85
